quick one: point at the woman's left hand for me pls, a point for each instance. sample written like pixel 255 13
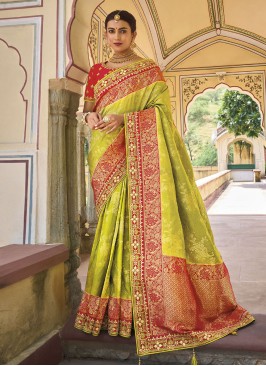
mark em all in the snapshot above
pixel 113 122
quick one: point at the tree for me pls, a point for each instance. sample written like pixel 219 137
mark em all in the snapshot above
pixel 192 143
pixel 208 156
pixel 240 114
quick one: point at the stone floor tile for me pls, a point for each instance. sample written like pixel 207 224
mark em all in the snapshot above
pixel 251 295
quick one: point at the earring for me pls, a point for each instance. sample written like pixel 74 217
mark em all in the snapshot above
pixel 133 45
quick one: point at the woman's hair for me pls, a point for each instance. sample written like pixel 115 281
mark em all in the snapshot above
pixel 124 15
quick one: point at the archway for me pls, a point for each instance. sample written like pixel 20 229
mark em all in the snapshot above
pixel 223 139
pixel 240 151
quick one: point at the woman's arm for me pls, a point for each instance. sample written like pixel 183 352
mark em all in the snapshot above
pixel 91 118
pixel 110 122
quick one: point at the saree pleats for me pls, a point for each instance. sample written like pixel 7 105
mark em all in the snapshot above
pixel 154 252
pixel 106 301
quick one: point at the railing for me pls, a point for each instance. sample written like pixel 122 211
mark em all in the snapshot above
pixel 210 186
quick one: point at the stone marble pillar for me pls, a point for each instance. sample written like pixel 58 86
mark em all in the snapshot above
pixel 64 179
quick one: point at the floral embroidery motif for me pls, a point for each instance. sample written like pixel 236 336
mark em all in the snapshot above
pixel 109 172
pixel 167 309
pixel 96 313
pixel 123 82
pixel 198 248
pixel 176 305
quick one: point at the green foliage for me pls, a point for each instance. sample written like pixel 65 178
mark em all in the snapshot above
pixel 192 143
pixel 240 114
pixel 202 120
pixel 242 144
pixel 208 156
pixel 205 107
pixel 231 154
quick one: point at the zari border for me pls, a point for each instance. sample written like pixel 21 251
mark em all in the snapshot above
pixel 110 79
pixel 146 248
pixel 110 171
pixel 145 230
pixel 96 314
pixel 129 85
pixel 125 80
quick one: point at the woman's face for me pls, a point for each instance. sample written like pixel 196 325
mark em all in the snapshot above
pixel 119 35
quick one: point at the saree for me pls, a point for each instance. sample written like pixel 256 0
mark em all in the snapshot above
pixel 154 262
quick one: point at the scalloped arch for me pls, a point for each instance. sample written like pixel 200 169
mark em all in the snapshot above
pixel 79 29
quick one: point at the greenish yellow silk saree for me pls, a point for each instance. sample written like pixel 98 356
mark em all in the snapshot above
pixel 153 262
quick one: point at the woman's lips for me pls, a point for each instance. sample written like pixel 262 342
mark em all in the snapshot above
pixel 118 44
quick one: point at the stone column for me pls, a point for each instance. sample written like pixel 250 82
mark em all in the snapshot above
pixel 88 217
pixel 59 104
pixel 64 211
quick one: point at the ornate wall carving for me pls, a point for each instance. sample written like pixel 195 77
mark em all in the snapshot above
pixel 251 83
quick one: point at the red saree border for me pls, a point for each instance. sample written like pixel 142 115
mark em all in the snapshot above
pixel 125 80
pixel 145 230
pixel 155 275
pixel 96 314
pixel 109 172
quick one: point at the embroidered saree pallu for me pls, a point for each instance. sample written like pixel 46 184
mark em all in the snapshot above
pixel 154 254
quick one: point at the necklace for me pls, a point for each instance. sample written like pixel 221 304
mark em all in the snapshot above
pixel 124 57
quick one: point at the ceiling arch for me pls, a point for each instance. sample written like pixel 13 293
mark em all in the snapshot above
pixel 171 30
pixel 214 52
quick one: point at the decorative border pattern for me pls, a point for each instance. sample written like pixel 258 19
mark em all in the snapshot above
pixel 110 171
pixel 145 230
pixel 154 276
pixel 251 82
pixel 96 313
pixel 120 74
pixel 126 85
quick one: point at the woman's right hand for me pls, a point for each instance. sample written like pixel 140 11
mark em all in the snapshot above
pixel 92 120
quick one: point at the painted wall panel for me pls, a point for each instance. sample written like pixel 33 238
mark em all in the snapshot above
pixel 21 78
pixel 16 199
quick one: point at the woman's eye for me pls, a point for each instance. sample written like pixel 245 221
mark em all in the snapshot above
pixel 111 31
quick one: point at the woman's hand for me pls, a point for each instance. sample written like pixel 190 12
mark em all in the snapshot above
pixel 93 119
pixel 113 122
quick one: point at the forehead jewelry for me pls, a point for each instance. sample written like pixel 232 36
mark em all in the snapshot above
pixel 117 17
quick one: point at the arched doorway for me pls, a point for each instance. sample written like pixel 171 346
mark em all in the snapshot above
pixel 223 139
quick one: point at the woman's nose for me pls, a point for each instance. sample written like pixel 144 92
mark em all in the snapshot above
pixel 117 35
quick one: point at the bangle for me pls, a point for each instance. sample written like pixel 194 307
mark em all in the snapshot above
pixel 81 117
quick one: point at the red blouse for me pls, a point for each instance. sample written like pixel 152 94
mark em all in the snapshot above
pixel 96 73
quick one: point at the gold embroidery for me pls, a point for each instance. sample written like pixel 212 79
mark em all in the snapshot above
pixel 96 313
pixel 110 171
pixel 124 81
pixel 170 297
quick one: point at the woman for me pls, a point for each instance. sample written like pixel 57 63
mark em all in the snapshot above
pixel 154 253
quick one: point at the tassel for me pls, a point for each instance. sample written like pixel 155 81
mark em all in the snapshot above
pixel 194 358
pixel 139 361
pixel 234 332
